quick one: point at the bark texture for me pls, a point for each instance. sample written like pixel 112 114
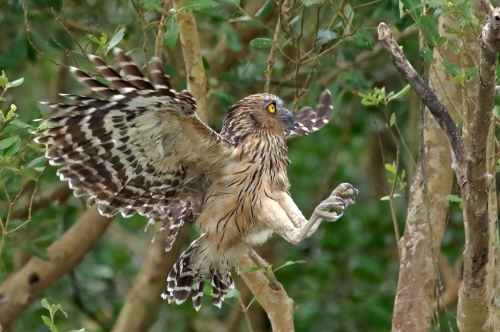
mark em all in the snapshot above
pixel 274 299
pixel 428 207
pixel 195 73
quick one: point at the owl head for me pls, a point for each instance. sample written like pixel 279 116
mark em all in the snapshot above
pixel 257 113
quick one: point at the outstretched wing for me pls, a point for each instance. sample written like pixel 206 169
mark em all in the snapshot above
pixel 187 206
pixel 308 121
pixel 132 151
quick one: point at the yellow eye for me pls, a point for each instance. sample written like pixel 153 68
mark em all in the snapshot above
pixel 271 108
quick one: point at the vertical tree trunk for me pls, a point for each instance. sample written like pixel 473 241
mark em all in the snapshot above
pixel 427 209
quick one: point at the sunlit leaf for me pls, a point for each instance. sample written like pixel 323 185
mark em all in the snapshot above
pixel 172 33
pixel 401 93
pixel 46 305
pixel 392 120
pixel 266 8
pixel 17 82
pixel 116 39
pixel 261 43
pixel 252 269
pixel 288 263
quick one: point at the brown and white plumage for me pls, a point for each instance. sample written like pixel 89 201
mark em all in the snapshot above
pixel 143 149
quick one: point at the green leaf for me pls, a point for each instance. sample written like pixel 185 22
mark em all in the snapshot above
pixel 4 144
pixel 309 3
pixel 288 263
pixel 233 293
pixel 116 39
pixel 233 40
pixel 401 93
pixel 2 99
pixel 3 80
pixel 103 39
pixel 152 4
pixel 46 305
pixel 252 269
pixel 392 120
pixel 38 252
pixel 429 30
pixel 458 79
pixel 199 5
pixel 295 19
pixel 364 39
pixel 172 34
pixel 437 3
pixel 261 43
pixel 16 82
pixel 410 6
pixel 47 321
pixel 324 36
pixel 427 54
pixel 13 148
pixel 390 168
pixel 235 3
pixel 10 113
pixel 452 68
pixel 387 198
pixel 59 307
pixel 36 162
pixel 473 72
pixel 453 198
pixel 18 123
pixel 266 9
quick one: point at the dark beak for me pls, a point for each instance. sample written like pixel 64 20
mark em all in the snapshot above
pixel 287 118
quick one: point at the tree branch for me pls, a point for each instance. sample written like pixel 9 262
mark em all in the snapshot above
pixel 272 297
pixel 195 73
pixel 22 288
pixel 143 299
pixel 429 97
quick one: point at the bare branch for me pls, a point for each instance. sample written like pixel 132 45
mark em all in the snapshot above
pixel 22 288
pixel 195 73
pixel 428 96
pixel 162 27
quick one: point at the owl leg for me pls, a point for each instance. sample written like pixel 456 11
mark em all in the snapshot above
pixel 338 201
pixel 284 217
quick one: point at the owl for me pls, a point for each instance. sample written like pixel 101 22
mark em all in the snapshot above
pixel 142 148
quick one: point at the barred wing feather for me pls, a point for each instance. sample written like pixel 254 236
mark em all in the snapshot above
pixel 133 150
pixel 307 121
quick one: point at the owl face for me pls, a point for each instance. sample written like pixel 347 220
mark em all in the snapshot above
pixel 266 111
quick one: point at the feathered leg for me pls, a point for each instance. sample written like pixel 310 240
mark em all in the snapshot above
pixel 201 261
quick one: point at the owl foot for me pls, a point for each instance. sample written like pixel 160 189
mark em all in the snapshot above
pixel 340 198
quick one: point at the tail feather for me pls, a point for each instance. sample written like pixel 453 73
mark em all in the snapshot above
pixel 198 263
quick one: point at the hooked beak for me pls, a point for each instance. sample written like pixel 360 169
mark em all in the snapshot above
pixel 287 118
